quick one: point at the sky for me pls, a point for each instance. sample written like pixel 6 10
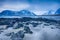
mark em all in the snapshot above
pixel 39 7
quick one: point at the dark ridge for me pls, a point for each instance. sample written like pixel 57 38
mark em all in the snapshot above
pixel 7 21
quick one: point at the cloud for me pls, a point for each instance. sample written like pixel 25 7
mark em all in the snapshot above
pixel 37 6
pixel 15 7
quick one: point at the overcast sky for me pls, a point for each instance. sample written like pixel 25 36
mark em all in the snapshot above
pixel 37 6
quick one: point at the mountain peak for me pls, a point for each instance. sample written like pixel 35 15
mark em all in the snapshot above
pixel 26 13
pixel 58 11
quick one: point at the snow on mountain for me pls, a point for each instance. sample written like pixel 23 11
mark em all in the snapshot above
pixel 26 13
pixel 51 12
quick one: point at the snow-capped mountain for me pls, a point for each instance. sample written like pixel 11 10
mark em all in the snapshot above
pixel 16 13
pixel 52 12
pixel 57 12
pixel 26 13
pixel 7 13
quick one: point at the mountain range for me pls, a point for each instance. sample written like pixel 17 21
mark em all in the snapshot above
pixel 16 13
pixel 52 12
pixel 26 13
